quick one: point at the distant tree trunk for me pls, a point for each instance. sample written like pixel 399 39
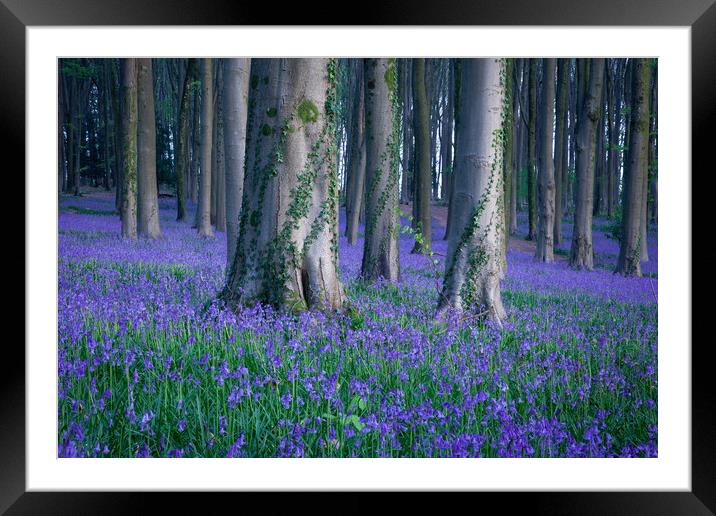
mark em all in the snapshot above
pixel 287 252
pixel 612 139
pixel 117 137
pixel 423 224
pixel 531 152
pixel 214 167
pixel 560 146
pixel 473 272
pixel 106 104
pixel 196 143
pixel 148 209
pixel 568 186
pixel 581 253
pixel 406 182
pixel 382 119
pixel 207 113
pixel 631 242
pixel 183 141
pixel 220 158
pixel 545 227
pixel 129 147
pixel 456 63
pixel 446 143
pixel 356 161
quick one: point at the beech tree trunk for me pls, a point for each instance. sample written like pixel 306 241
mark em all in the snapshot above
pixel 581 253
pixel 507 159
pixel 407 179
pixel 287 252
pixel 653 153
pixel 182 153
pixel 631 242
pixel 545 228
pixel 423 185
pixel 473 272
pixel 236 93
pixel 129 147
pixel 456 63
pixel 196 142
pixel 220 159
pixel 382 119
pixel 207 114
pixel 531 152
pixel 148 209
pixel 446 141
pixel 356 174
pixel 560 146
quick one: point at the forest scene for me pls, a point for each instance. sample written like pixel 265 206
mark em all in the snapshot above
pixel 357 257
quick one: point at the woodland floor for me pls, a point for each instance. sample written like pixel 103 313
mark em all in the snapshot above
pixel 150 365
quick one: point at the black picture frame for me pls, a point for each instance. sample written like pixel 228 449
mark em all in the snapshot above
pixel 700 15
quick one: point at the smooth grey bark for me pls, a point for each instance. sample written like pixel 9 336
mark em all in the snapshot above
pixel 220 158
pixel 546 183
pixel 423 220
pixel 560 146
pixel 128 80
pixel 182 153
pixel 382 119
pixel 236 94
pixel 631 242
pixel 287 251
pixel 207 113
pixel 531 152
pixel 581 252
pixel 653 151
pixel 447 134
pixel 473 272
pixel 193 189
pixel 507 160
pixel 456 63
pixel 148 205
pixel 407 162
pixel 356 161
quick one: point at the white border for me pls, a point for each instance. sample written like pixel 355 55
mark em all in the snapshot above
pixel 671 471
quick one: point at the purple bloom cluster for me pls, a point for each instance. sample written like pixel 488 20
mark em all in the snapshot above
pixel 150 365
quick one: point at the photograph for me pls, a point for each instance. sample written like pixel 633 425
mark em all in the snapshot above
pixel 357 257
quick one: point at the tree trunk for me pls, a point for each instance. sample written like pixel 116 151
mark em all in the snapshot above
pixel 148 208
pixel 531 152
pixel 182 153
pixel 472 277
pixel 129 147
pixel 118 152
pixel 507 159
pixel 356 174
pixel 196 141
pixel 423 225
pixel 560 146
pixel 446 142
pixel 545 228
pixel 382 119
pixel 287 252
pixel 406 182
pixel 653 152
pixel 207 114
pixel 629 250
pixel 581 253
pixel 107 118
pixel 236 93
pixel 220 161
pixel 456 111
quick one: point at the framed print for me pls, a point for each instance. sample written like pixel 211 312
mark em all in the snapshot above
pixel 668 468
